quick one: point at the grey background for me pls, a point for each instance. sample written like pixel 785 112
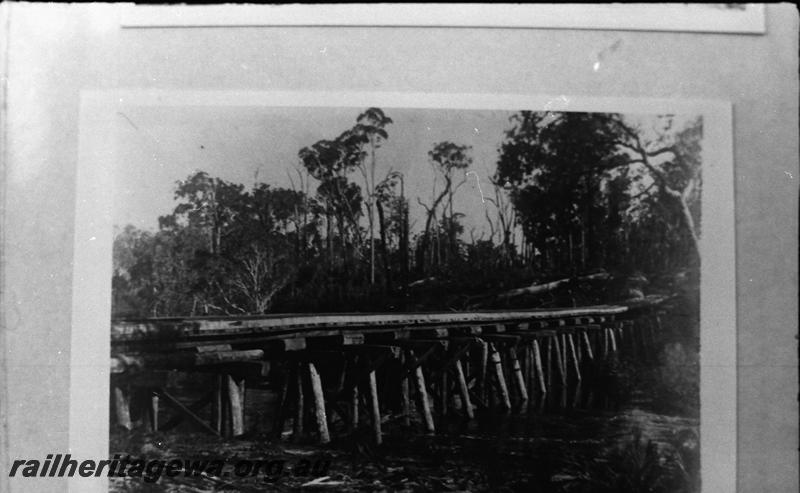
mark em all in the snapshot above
pixel 54 52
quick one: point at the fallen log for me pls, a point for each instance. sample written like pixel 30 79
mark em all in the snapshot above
pixel 421 282
pixel 550 286
pixel 122 363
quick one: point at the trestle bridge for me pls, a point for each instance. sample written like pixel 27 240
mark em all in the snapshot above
pixel 334 371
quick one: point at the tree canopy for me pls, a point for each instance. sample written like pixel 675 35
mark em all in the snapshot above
pixel 572 193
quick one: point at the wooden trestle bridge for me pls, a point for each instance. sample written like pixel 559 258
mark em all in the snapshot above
pixel 355 369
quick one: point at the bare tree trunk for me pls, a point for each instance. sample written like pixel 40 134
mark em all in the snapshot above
pixel 437 250
pixel 571 261
pixel 371 211
pixel 371 245
pixel 681 196
pixel 329 237
pixel 343 245
pixel 404 238
pixel 583 247
pixel 431 215
pixel 384 249
pixel 689 220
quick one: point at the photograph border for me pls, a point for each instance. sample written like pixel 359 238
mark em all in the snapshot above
pixel 696 17
pixel 91 304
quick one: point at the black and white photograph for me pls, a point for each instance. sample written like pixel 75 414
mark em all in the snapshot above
pixel 391 298
pixel 399 248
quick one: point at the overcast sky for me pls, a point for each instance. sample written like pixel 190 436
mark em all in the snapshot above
pixel 161 145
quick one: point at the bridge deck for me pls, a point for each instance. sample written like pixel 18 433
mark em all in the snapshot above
pixel 288 325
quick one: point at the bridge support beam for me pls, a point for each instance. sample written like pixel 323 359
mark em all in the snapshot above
pixel 530 372
pixel 184 411
pixel 613 340
pixel 282 407
pixel 555 347
pixel 483 369
pixel 153 411
pixel 217 403
pixel 576 363
pixel 497 367
pixel 299 407
pixel 353 422
pixel 319 404
pixel 422 398
pixel 463 390
pixel 404 393
pixel 588 344
pixel 375 408
pixel 519 379
pixel 537 361
pixel 122 406
pixel 442 405
pixel 235 392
